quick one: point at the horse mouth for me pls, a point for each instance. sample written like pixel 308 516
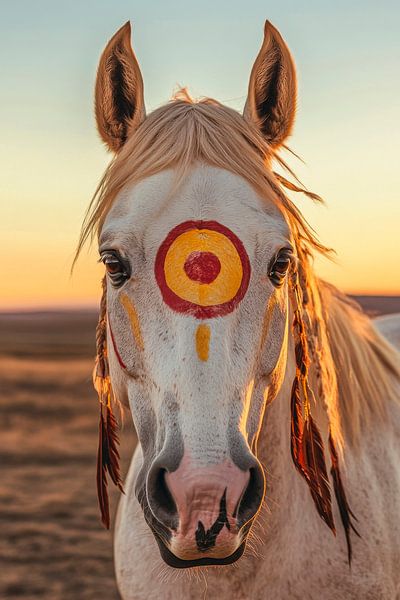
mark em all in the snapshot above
pixel 178 563
pixel 204 540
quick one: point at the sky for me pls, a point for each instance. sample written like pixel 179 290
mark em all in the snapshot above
pixel 347 129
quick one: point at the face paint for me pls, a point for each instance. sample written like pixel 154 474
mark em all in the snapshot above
pixel 203 341
pixel 202 269
pixel 134 320
pixel 117 354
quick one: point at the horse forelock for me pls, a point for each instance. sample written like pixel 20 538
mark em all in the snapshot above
pixel 180 135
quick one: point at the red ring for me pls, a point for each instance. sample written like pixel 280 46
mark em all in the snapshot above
pixel 184 306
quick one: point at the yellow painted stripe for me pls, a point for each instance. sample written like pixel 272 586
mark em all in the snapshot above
pixel 134 320
pixel 203 341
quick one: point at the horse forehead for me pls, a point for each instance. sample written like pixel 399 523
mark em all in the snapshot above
pixel 147 211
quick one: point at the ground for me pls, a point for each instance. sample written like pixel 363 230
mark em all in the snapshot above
pixel 52 543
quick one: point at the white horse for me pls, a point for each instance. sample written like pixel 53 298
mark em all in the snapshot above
pixel 266 404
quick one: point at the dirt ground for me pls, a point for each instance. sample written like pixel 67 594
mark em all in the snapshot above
pixel 52 545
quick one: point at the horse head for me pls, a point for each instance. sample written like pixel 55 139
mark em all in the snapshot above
pixel 200 247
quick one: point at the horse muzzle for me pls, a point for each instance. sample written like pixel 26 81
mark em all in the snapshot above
pixel 203 513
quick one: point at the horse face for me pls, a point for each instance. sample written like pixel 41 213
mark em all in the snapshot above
pixel 197 319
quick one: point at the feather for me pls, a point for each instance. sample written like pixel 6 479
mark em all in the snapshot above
pixel 107 460
pixel 306 442
pixel 107 453
pixel 296 429
pixel 101 476
pixel 112 456
pixel 314 458
pixel 346 513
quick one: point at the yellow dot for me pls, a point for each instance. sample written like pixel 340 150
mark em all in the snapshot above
pixel 203 341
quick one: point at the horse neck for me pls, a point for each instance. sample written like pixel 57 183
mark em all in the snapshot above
pixel 273 448
pixel 287 500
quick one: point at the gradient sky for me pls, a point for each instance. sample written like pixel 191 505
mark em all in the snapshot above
pixel 347 130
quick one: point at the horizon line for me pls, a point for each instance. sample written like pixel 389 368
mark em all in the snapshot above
pixel 94 306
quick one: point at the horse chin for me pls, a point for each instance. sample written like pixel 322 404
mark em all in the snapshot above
pixel 178 563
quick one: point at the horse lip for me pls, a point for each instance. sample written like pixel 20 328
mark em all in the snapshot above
pixel 179 563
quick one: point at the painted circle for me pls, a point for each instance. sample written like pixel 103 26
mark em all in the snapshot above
pixel 202 269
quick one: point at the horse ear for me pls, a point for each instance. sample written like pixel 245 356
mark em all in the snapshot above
pixel 271 100
pixel 119 100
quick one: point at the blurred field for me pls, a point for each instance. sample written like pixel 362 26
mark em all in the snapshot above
pixel 52 545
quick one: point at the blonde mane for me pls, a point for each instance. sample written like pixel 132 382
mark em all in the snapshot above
pixel 355 370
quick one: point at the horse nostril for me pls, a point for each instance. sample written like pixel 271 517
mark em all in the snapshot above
pixel 161 501
pixel 253 496
pixel 164 496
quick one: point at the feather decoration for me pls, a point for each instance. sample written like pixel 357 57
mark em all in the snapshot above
pixel 296 429
pixel 101 478
pixel 346 513
pixel 306 442
pixel 307 447
pixel 107 453
pixel 314 458
pixel 111 458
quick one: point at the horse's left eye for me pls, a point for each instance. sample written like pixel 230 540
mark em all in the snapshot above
pixel 116 267
pixel 279 266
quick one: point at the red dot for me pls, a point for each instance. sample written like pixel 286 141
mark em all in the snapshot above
pixel 203 267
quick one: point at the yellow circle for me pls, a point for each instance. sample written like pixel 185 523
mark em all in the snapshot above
pixel 226 284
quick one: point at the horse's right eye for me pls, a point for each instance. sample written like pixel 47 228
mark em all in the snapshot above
pixel 117 268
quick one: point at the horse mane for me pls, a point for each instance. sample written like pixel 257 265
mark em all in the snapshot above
pixel 366 365
pixel 353 368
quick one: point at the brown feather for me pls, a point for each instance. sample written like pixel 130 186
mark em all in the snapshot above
pixel 297 429
pixel 111 459
pixel 101 476
pixel 318 482
pixel 307 445
pixel 107 460
pixel 346 513
pixel 107 453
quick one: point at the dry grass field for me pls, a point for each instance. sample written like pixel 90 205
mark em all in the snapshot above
pixel 52 545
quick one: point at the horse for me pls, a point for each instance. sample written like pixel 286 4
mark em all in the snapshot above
pixel 266 403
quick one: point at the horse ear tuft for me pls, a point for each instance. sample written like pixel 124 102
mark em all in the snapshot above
pixel 271 100
pixel 119 99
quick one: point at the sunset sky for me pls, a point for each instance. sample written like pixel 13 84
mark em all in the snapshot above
pixel 347 130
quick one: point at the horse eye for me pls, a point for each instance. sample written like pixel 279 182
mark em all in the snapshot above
pixel 279 267
pixel 117 268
